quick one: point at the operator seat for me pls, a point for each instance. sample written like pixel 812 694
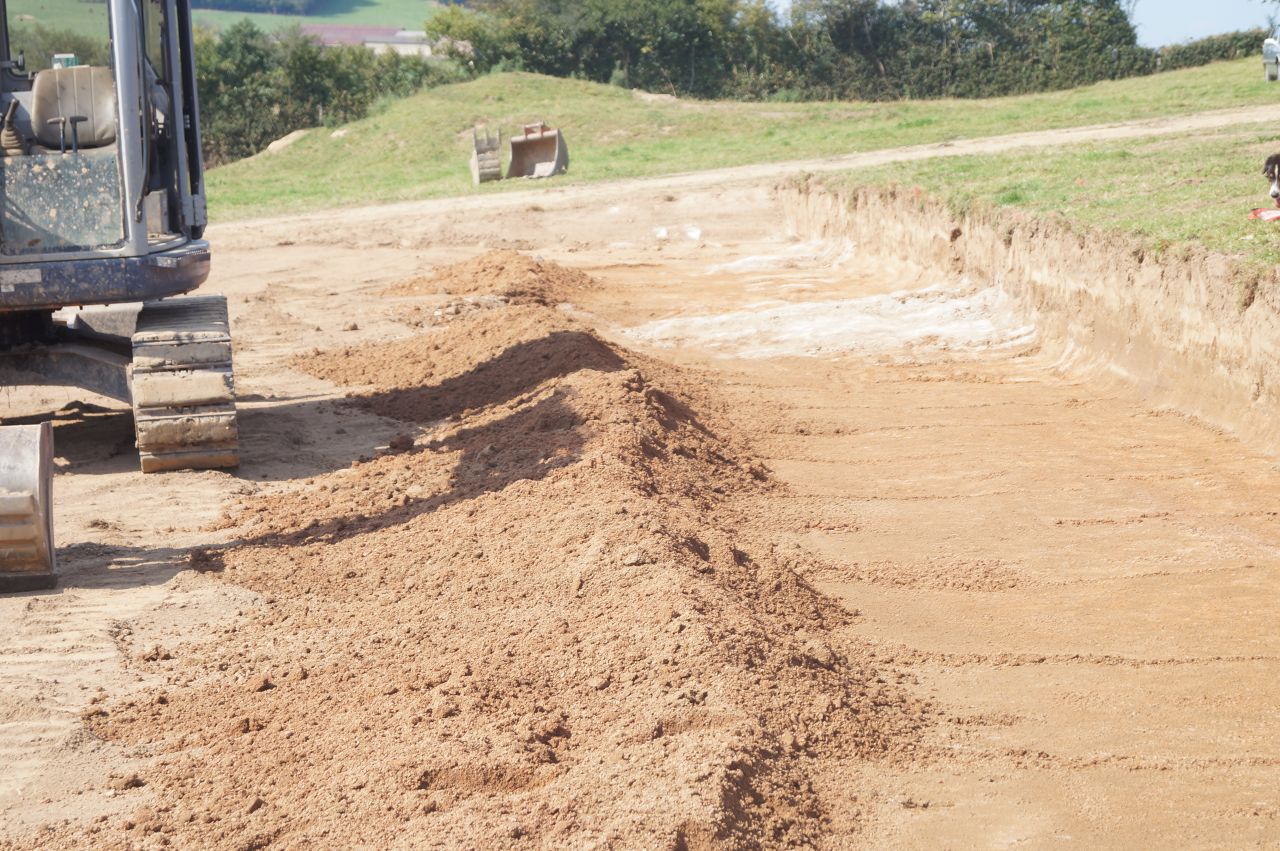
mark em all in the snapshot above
pixel 85 92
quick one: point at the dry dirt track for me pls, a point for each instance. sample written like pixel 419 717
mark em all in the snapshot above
pixel 392 216
pixel 1084 588
pixel 1087 585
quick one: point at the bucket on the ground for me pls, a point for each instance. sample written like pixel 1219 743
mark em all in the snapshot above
pixel 539 151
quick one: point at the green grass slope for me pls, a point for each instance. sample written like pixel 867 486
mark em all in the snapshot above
pixel 1165 192
pixel 89 17
pixel 418 147
pixel 402 14
pixel 84 17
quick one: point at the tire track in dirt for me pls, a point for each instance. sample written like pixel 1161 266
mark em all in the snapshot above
pixel 58 646
pixel 1090 697
pixel 60 649
pixel 1184 632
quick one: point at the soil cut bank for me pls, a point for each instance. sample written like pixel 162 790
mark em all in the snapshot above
pixel 1191 330
pixel 531 626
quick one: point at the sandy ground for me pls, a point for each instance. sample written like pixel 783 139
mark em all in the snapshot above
pixel 1080 592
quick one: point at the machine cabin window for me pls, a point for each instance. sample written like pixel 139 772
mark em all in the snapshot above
pixel 48 40
pixel 60 176
pixel 156 43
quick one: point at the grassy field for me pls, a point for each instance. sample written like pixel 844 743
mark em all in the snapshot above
pixel 418 147
pixel 89 17
pixel 402 14
pixel 1166 192
pixel 85 17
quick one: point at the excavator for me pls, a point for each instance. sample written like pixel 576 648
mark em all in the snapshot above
pixel 102 214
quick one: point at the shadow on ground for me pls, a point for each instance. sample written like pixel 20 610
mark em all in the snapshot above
pixel 529 444
pixel 291 439
pixel 108 566
pixel 294 439
pixel 515 371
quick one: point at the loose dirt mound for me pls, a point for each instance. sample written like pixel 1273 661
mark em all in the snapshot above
pixel 517 277
pixel 480 360
pixel 531 628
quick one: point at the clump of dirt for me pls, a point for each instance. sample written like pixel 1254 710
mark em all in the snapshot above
pixel 534 628
pixel 518 278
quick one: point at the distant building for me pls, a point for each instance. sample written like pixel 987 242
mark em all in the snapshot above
pixel 377 39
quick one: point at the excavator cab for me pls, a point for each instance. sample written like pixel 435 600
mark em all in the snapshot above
pixel 102 212
pixel 102 173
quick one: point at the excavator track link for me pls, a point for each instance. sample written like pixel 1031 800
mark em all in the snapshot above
pixel 27 555
pixel 184 404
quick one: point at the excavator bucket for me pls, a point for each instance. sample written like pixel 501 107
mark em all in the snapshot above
pixel 486 157
pixel 538 152
pixel 26 508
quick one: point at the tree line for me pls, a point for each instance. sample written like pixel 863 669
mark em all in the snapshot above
pixel 256 87
pixel 821 49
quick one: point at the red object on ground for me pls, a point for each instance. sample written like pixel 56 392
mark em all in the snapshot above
pixel 1265 215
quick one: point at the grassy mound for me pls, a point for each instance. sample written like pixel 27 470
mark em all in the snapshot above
pixel 1169 193
pixel 418 147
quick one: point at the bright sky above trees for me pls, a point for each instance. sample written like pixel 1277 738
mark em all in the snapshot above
pixel 1162 22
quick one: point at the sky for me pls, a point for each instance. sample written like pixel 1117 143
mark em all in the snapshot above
pixel 1162 22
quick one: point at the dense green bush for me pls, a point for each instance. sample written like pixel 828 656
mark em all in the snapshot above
pixel 1235 45
pixel 40 43
pixel 255 87
pixel 858 49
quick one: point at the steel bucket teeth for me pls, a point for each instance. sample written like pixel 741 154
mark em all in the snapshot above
pixel 27 555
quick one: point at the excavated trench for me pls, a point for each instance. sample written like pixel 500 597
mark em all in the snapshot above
pixel 1040 467
pixel 1193 331
pixel 806 517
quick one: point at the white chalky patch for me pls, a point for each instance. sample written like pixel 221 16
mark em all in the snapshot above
pixel 823 254
pixel 935 318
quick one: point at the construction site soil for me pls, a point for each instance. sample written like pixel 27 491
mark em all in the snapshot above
pixel 529 624
pixel 505 274
pixel 690 530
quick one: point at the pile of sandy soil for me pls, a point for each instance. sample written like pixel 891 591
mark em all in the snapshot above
pixel 531 628
pixel 518 278
pixel 482 359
